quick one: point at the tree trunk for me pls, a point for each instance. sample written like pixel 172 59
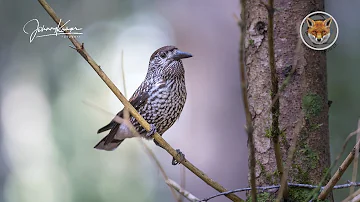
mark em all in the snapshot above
pixel 304 98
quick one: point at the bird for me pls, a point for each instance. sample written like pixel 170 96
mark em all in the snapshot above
pixel 159 99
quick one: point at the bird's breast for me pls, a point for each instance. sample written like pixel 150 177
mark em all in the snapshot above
pixel 165 105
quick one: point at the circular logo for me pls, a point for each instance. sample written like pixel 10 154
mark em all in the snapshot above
pixel 319 30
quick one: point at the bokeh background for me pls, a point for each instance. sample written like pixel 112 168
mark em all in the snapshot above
pixel 48 128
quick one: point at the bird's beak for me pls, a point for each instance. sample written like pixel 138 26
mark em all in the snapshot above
pixel 181 55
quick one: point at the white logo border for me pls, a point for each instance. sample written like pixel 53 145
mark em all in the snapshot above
pixel 313 13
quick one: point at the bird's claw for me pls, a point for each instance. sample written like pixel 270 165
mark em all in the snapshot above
pixel 182 158
pixel 152 131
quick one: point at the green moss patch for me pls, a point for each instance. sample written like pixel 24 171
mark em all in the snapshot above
pixel 312 105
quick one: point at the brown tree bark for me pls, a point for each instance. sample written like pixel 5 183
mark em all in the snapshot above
pixel 305 97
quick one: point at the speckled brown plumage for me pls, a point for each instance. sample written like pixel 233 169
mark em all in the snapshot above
pixel 159 99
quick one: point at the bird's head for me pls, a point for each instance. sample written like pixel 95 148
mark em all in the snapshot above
pixel 166 63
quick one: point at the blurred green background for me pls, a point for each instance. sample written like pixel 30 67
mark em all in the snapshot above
pixel 48 128
pixel 343 82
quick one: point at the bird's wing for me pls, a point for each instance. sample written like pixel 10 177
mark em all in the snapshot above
pixel 139 98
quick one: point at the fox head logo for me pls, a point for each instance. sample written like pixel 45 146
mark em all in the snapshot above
pixel 319 30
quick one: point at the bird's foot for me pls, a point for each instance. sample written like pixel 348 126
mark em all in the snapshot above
pixel 182 158
pixel 151 132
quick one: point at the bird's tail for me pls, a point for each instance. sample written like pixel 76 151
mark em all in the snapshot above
pixel 113 144
pixel 109 142
pixel 107 127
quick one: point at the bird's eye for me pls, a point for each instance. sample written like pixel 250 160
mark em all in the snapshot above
pixel 163 55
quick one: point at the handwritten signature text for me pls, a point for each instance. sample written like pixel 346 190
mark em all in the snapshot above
pixel 42 31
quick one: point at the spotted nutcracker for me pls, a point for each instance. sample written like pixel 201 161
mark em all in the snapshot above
pixel 159 99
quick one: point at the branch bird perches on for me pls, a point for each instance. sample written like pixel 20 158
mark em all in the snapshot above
pixel 81 50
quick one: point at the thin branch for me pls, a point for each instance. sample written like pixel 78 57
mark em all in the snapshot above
pixel 356 198
pixel 182 179
pixel 123 72
pixel 289 76
pixel 126 121
pixel 148 150
pixel 152 155
pixel 275 94
pixel 356 161
pixel 333 164
pixel 172 184
pixel 292 149
pixel 249 126
pixel 275 106
pixel 351 196
pixel 272 187
pixel 182 191
pixel 80 49
pixel 346 142
pixel 287 79
pixel 283 189
pixel 336 177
